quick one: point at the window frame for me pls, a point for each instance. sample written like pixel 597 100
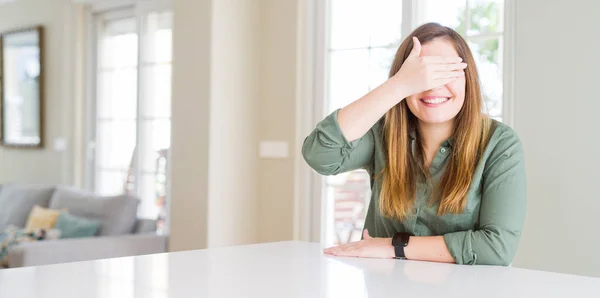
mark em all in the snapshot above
pixel 314 39
pixel 96 12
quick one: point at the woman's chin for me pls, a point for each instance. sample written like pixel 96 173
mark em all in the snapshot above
pixel 435 119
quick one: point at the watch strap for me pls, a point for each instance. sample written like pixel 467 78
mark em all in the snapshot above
pixel 400 241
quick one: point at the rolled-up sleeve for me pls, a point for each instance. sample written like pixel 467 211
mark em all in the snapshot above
pixel 328 152
pixel 502 212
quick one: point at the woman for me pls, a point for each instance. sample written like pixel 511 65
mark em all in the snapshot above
pixel 448 183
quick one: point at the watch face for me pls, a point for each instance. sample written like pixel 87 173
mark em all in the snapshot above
pixel 400 239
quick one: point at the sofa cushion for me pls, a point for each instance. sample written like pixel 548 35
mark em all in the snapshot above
pixel 144 226
pixel 72 226
pixel 117 214
pixel 16 202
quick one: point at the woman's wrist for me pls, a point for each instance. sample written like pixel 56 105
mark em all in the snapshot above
pixel 399 88
pixel 390 250
pixel 428 248
pixel 408 248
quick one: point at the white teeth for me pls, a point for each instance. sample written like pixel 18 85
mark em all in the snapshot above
pixel 437 100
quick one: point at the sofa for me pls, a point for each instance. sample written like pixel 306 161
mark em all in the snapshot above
pixel 121 232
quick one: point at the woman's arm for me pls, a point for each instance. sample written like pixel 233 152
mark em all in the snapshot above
pixel 428 248
pixel 501 219
pixel 340 142
pixel 431 248
pixel 358 117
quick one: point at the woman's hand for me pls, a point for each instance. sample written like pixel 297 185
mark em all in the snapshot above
pixel 369 247
pixel 419 74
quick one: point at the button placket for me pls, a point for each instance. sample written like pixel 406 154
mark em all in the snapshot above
pixel 414 220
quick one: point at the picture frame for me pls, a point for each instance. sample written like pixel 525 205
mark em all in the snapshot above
pixel 21 88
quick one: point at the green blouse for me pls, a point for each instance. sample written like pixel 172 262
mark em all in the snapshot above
pixel 488 231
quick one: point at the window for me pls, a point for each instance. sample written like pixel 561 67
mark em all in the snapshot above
pixel 363 36
pixel 132 109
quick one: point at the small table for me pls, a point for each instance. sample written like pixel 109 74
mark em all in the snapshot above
pixel 283 269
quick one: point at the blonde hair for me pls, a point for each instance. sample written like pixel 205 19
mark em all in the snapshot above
pixel 404 168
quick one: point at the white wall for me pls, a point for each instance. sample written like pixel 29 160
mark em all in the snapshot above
pixel 556 116
pixel 277 116
pixel 190 125
pixel 251 97
pixel 46 165
pixel 235 81
pixel 216 86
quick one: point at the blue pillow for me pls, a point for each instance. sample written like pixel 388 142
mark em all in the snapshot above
pixel 72 226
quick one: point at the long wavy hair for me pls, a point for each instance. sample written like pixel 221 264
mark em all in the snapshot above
pixel 405 166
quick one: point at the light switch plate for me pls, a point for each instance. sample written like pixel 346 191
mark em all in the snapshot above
pixel 59 144
pixel 274 149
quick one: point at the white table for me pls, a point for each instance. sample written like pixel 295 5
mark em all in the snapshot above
pixel 284 269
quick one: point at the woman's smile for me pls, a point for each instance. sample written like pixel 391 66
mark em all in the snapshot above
pixel 434 101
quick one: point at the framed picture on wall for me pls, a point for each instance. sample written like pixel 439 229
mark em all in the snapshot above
pixel 21 87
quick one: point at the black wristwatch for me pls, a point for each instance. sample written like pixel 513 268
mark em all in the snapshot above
pixel 399 242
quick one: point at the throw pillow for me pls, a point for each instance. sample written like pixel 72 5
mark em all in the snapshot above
pixel 72 226
pixel 41 218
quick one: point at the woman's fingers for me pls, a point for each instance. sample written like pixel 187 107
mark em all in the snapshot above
pixel 420 73
pixel 349 251
pixel 343 250
pixel 350 246
pixel 330 249
pixel 416 50
pixel 449 67
pixel 441 59
pixel 442 82
pixel 448 74
pixel 336 249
